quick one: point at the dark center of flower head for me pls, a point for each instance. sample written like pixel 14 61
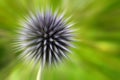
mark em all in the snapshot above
pixel 46 37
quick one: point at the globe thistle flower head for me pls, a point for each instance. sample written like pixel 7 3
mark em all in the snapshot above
pixel 46 37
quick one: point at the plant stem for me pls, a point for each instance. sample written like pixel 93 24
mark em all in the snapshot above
pixel 39 74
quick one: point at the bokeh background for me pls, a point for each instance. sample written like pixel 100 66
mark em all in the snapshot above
pixel 97 52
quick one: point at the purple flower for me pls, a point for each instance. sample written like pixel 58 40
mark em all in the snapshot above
pixel 46 37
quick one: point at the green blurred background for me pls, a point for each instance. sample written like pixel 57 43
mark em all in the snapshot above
pixel 97 52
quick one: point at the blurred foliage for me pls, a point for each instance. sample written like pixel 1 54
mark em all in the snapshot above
pixel 97 52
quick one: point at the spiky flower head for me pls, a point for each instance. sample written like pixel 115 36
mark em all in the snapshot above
pixel 46 37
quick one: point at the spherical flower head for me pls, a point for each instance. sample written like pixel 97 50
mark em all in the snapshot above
pixel 46 37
